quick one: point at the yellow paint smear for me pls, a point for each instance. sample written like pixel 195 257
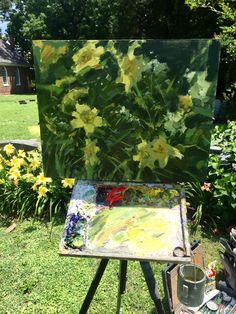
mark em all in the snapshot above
pixel 139 230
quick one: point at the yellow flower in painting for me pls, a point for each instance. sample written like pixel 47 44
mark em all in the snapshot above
pixel 111 47
pixel 185 102
pixel 163 151
pixel 49 53
pixel 154 192
pixel 90 151
pixel 9 149
pixel 174 192
pixel 1 167
pixel 145 156
pixel 131 67
pixel 2 181
pixel 72 96
pixel 86 118
pixel 68 182
pixel 41 179
pixel 88 56
pixel 42 191
pixel 66 80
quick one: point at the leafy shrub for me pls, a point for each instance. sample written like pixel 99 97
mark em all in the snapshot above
pixel 201 200
pixel 222 171
pixel 24 191
pixel 219 201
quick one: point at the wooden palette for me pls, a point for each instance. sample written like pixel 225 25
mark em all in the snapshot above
pixel 127 221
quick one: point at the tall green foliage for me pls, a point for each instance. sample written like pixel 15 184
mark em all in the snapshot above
pixel 216 200
pixel 224 28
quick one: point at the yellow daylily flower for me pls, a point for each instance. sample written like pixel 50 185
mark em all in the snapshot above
pixel 2 181
pixel 145 156
pixel 21 153
pixel 34 187
pixel 34 154
pixel 86 118
pixel 2 159
pixel 28 177
pixel 41 179
pixel 14 173
pixel 88 56
pixel 185 102
pixel 17 162
pixel 9 149
pixel 68 182
pixel 34 163
pixel 163 151
pixel 42 191
pixel 1 167
pixel 90 151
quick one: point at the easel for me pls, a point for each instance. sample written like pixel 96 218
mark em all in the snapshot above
pixel 149 278
pixel 187 100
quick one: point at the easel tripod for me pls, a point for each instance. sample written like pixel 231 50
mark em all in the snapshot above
pixel 149 278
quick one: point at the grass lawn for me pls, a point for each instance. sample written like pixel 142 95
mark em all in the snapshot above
pixel 16 118
pixel 34 279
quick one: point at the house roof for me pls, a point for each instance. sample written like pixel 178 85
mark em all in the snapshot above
pixel 9 56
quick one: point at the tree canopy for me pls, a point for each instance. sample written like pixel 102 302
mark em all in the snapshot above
pixel 102 19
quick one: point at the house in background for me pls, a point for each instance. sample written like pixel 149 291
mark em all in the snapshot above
pixel 14 71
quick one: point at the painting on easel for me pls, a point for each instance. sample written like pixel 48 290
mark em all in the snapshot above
pixel 126 110
pixel 132 221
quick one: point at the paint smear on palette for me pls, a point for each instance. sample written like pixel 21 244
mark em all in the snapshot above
pixel 135 230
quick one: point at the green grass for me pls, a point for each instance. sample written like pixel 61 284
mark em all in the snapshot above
pixel 16 118
pixel 35 279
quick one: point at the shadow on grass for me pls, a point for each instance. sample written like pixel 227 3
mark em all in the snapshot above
pixel 30 229
pixel 154 311
pixel 6 222
pixel 209 232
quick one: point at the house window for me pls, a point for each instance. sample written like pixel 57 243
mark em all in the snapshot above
pixel 18 81
pixel 5 76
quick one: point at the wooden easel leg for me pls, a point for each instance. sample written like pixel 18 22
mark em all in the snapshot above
pixel 93 287
pixel 122 285
pixel 152 286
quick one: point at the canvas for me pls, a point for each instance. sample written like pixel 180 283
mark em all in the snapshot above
pixel 126 110
pixel 131 221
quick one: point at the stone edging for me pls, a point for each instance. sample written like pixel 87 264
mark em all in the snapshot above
pixel 27 145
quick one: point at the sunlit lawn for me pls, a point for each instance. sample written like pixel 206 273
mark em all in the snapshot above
pixel 15 118
pixel 35 279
